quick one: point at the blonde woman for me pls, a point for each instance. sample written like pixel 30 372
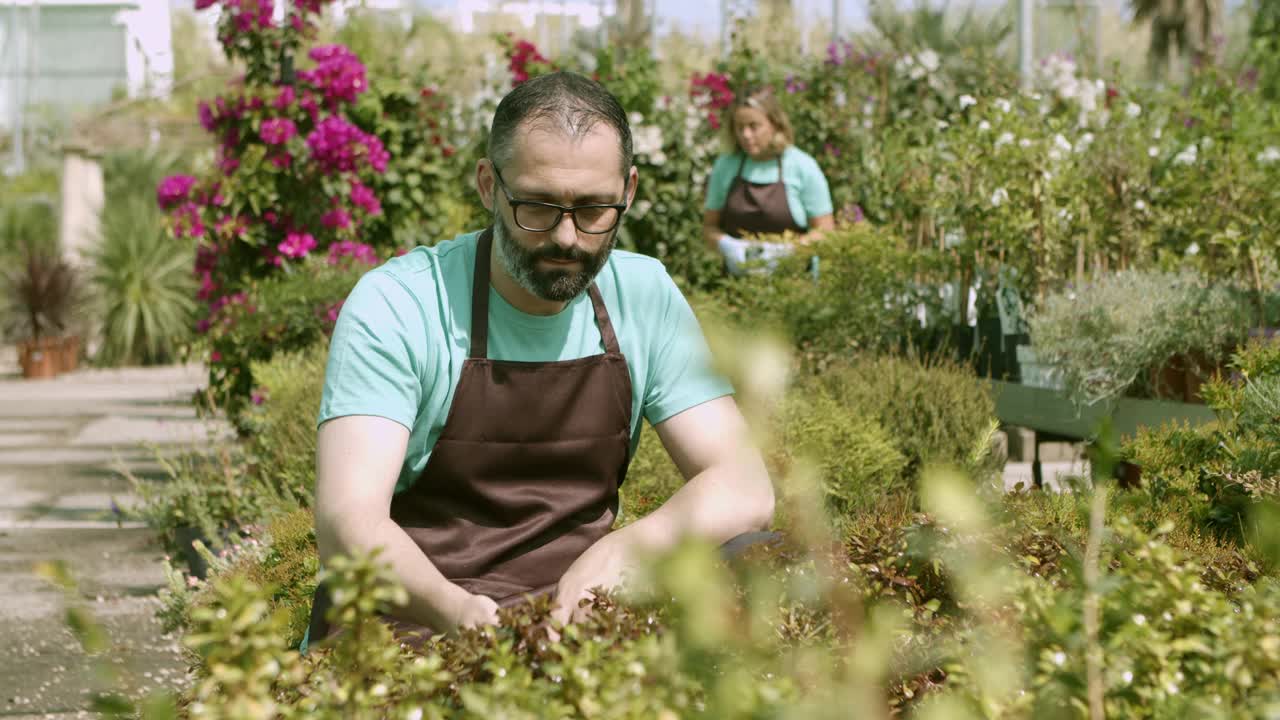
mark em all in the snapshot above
pixel 764 185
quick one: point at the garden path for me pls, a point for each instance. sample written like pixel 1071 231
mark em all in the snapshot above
pixel 61 444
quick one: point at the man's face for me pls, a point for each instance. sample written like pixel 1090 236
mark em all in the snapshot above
pixel 548 166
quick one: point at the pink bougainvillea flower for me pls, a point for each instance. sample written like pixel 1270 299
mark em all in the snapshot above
pixel 357 251
pixel 297 245
pixel 336 218
pixel 338 75
pixel 362 197
pixel 174 190
pixel 336 145
pixel 277 131
pixel 285 98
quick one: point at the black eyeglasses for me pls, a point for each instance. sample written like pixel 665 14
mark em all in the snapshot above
pixel 593 219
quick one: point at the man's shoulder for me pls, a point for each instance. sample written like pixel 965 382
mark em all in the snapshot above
pixel 419 276
pixel 639 284
pixel 634 271
pixel 426 259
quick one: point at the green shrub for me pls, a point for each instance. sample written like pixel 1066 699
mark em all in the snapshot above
pixel 1173 647
pixel 280 421
pixel 208 490
pixel 1112 333
pixel 867 297
pixel 280 558
pixel 1222 473
pixel 933 412
pixel 860 466
pixel 285 312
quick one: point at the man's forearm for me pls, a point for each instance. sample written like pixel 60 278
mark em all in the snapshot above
pixel 433 599
pixel 718 504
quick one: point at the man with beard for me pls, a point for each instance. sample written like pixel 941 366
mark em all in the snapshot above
pixel 483 396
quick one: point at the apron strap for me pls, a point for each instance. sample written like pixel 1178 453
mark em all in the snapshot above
pixel 607 336
pixel 480 305
pixel 480 297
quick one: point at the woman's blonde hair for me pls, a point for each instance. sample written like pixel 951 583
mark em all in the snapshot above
pixel 765 101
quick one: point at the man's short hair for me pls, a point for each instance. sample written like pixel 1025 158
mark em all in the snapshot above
pixel 565 101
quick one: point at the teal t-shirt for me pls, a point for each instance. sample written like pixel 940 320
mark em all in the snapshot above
pixel 404 332
pixel 808 195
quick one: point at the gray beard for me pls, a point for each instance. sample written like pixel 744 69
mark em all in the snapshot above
pixel 554 285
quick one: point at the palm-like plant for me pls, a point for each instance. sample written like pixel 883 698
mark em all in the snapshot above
pixel 950 35
pixel 143 288
pixel 1179 28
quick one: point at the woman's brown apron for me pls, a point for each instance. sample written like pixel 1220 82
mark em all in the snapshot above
pixel 524 477
pixel 757 207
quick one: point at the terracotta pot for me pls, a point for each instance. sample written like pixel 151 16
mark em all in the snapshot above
pixel 69 353
pixel 1169 381
pixel 1200 369
pixel 39 358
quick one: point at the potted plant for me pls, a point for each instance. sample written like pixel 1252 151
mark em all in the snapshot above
pixel 1137 332
pixel 208 497
pixel 41 292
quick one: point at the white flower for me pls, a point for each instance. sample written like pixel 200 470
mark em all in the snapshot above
pixel 1055 154
pixel 943 124
pixel 635 118
pixel 1003 105
pixel 1139 205
pixel 929 59
pixel 1139 619
pixel 1187 156
pixel 1085 141
pixel 1128 676
pixel 1171 688
pixel 985 126
pixel 414 714
pixel 999 196
pixel 1004 139
pixel 641 208
pixel 1157 133
pixel 966 101
pixel 1206 143
pixel 917 72
pixel 646 139
pixel 1059 658
pixel 1268 156
pixel 1153 151
pixel 1061 143
pixel 1133 110
pixel 1024 143
pixel 1193 249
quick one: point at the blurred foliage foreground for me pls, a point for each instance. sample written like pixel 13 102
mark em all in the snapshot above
pixel 941 596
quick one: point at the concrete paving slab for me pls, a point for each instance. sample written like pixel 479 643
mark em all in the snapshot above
pixel 63 444
pixel 36 424
pixel 1055 474
pixel 118 430
pixel 21 440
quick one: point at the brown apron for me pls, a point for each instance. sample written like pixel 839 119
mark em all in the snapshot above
pixel 757 207
pixel 524 477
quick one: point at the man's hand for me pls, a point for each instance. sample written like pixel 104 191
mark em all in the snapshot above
pixel 474 611
pixel 604 564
